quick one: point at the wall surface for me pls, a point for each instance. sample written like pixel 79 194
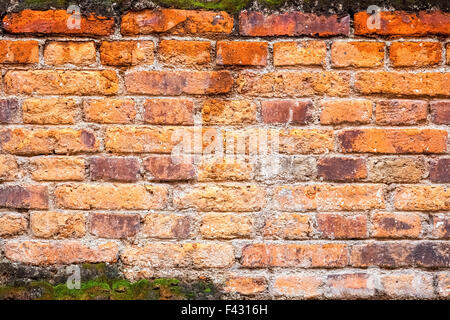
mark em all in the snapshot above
pixel 278 155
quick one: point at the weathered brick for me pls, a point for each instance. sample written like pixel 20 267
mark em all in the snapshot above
pixel 57 225
pixel 9 169
pixel 49 111
pixel 243 53
pixel 302 53
pixel 24 197
pixel 440 226
pixel 169 111
pixel 345 111
pixel 66 252
pixel 338 226
pixel 12 225
pixel 114 225
pixel 46 141
pixel 298 285
pixel 114 169
pixel 440 171
pixel 403 83
pixel 443 284
pixel 110 196
pixel 448 53
pixel 440 112
pixel 178 22
pixel 393 140
pixel 109 110
pixel 166 226
pixel 293 83
pixel 246 285
pixel 255 140
pixel 341 169
pixel 408 284
pixel 62 82
pixel 168 168
pixel 176 255
pixel 126 53
pixel 294 23
pixel 57 169
pixel 396 225
pixel 70 52
pixel 400 23
pixel 221 198
pixel 415 54
pixel 304 141
pixel 19 52
pixel 178 82
pixel 225 169
pixel 182 53
pixel 422 198
pixel 401 112
pixel 396 170
pixel 324 197
pixel 326 255
pixel 9 111
pixel 238 112
pixel 226 226
pixel 350 285
pixel 286 111
pixel 357 54
pixel 291 226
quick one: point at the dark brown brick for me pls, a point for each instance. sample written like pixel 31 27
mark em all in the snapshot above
pixel 286 111
pixel 440 171
pixel 440 112
pixel 114 225
pixel 24 197
pixel 341 169
pixel 9 110
pixel 166 168
pixel 114 169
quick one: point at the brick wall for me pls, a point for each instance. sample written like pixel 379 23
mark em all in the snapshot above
pixel 351 202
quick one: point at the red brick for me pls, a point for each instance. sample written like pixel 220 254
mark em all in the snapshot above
pixel 294 23
pixel 286 111
pixel 178 22
pixel 114 225
pixel 396 225
pixel 415 54
pixel 180 53
pixel 440 226
pixel 64 252
pixel 440 171
pixel 299 285
pixel 440 112
pixel 358 54
pixel 422 198
pixel 9 111
pixel 55 22
pixel 350 285
pixel 242 53
pixel 246 285
pixel 338 226
pixel 341 169
pixel 401 112
pixel 126 53
pixel 178 82
pixel 19 52
pixel 400 23
pixel 302 53
pixel 24 197
pixel 168 168
pixel 345 111
pixel 70 52
pixel 169 111
pixel 114 169
pixel 393 140
pixel 326 255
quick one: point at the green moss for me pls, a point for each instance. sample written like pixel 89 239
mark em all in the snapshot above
pixel 226 5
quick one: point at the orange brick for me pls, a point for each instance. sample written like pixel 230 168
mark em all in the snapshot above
pixel 12 52
pixel 338 226
pixel 175 83
pixel 169 111
pixel 301 286
pixel 56 22
pixel 166 226
pixel 346 111
pixel 422 198
pixel 238 112
pixel 401 112
pixel 415 54
pixel 226 226
pixel 24 197
pixel 324 197
pixel 57 169
pixel 184 53
pixel 243 53
pixel 396 225
pixel 114 225
pixel 246 285
pixel 393 140
pixel 290 226
pixel 408 284
pixel 57 225
pixel 110 196
pixel 325 255
pixel 46 141
pixel 176 22
pixel 350 285
pixel 448 53
pixel 126 53
pixel 67 252
pixel 306 141
pixel 294 83
pixel 403 83
pixel 357 54
pixel 304 53
pixel 9 169
pixel 49 111
pixel 12 225
pixel 109 110
pixel 62 82
pixel 70 52
pixel 225 169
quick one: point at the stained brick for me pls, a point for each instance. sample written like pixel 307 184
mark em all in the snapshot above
pixel 181 53
pixel 341 169
pixel 230 112
pixel 246 285
pixel 303 53
pixel 24 197
pixel 345 111
pixel 440 171
pixel 291 226
pixel 307 286
pixel 114 169
pixel 357 54
pixel 166 226
pixel 57 225
pixel 109 110
pixel 69 52
pixel 422 198
pixel 19 52
pixel 401 112
pixel 169 111
pixel 396 225
pixel 241 53
pixel 440 112
pixel 350 285
pixel 9 111
pixel 415 54
pixel 114 225
pixel 338 226
pixel 286 111
pixel 126 53
pixel 168 168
